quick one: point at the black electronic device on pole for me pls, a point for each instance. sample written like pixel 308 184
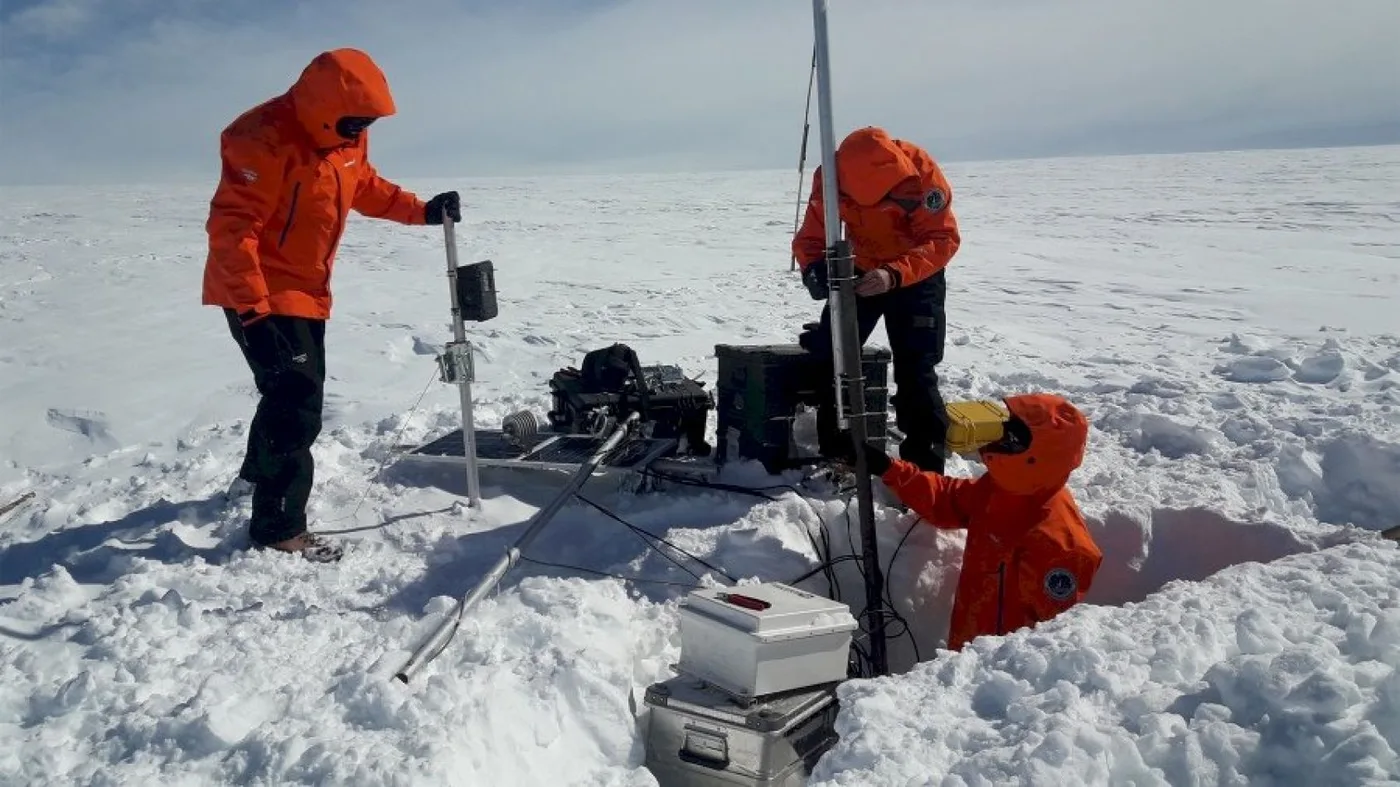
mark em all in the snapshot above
pixel 846 350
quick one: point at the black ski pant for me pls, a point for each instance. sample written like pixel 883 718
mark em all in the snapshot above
pixel 288 360
pixel 916 321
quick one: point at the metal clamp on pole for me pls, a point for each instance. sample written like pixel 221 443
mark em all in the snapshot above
pixel 438 640
pixel 456 366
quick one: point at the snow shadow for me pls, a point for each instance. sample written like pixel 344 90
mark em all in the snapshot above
pixel 103 551
pixel 534 487
pixel 1180 544
pixel 1359 483
pixel 663 542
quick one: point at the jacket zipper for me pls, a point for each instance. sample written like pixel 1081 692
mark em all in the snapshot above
pixel 326 263
pixel 291 214
pixel 1001 595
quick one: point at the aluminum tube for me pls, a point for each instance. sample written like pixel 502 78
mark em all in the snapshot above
pixel 464 385
pixel 427 651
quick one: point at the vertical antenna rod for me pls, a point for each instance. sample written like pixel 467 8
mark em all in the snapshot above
pixel 846 349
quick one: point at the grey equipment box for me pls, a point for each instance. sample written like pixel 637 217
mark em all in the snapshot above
pixel 699 735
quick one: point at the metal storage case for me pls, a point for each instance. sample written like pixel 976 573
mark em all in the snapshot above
pixel 698 735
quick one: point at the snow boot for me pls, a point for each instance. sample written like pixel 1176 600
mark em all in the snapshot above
pixel 317 549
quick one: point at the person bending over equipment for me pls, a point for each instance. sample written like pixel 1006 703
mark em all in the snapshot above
pixel 897 208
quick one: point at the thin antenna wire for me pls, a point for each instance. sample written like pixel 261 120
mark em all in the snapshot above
pixel 802 156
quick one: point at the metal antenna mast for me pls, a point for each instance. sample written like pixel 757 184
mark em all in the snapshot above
pixel 846 349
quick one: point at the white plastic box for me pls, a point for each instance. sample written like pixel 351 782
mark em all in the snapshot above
pixel 799 640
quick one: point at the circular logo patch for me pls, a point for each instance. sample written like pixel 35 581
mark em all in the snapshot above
pixel 1060 584
pixel 935 200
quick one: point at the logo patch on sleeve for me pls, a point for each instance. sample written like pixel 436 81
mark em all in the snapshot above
pixel 936 200
pixel 1060 584
pixel 249 175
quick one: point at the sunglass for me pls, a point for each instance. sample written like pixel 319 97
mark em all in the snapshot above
pixel 1015 439
pixel 351 127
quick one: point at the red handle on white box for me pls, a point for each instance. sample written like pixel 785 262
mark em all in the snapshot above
pixel 747 602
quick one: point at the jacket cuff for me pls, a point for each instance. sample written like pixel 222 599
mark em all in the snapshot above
pixel 253 314
pixel 900 472
pixel 898 277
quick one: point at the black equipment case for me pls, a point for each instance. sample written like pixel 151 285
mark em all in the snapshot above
pixel 760 388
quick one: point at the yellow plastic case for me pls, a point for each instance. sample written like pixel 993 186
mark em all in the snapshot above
pixel 973 424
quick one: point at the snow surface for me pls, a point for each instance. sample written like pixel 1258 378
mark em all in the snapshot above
pixel 1228 322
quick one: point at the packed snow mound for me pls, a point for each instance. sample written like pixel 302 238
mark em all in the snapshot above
pixel 1284 673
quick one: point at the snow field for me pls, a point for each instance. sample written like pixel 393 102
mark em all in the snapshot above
pixel 1222 319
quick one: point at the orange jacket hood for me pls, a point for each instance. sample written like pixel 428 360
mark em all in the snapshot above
pixel 869 164
pixel 336 84
pixel 1059 433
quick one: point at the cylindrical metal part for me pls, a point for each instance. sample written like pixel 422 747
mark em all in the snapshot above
pixel 845 343
pixel 520 428
pixel 464 387
pixel 831 207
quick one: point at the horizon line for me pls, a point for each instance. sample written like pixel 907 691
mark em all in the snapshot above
pixel 813 161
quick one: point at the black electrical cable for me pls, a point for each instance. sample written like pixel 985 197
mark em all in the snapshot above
pixel 757 491
pixel 622 577
pixel 851 536
pixel 886 602
pixel 888 589
pixel 823 567
pixel 823 551
pixel 645 534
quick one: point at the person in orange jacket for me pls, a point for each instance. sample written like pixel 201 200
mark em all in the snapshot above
pixel 293 168
pixel 1029 555
pixel 897 207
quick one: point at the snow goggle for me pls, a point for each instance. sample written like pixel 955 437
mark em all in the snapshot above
pixel 1015 438
pixel 351 127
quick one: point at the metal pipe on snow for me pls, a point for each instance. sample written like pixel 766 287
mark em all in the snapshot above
pixel 430 648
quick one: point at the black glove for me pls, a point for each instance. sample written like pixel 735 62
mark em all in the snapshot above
pixel 814 277
pixel 446 201
pixel 877 462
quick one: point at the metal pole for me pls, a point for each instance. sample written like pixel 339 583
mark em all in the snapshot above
pixel 838 304
pixel 430 648
pixel 460 358
pixel 846 349
pixel 802 154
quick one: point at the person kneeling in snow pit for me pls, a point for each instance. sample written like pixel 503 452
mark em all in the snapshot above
pixel 293 169
pixel 1029 555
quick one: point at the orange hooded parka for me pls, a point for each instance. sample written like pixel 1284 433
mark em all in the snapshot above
pixel 914 240
pixel 287 185
pixel 1029 555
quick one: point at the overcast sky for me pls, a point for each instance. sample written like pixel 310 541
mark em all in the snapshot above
pixel 102 91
